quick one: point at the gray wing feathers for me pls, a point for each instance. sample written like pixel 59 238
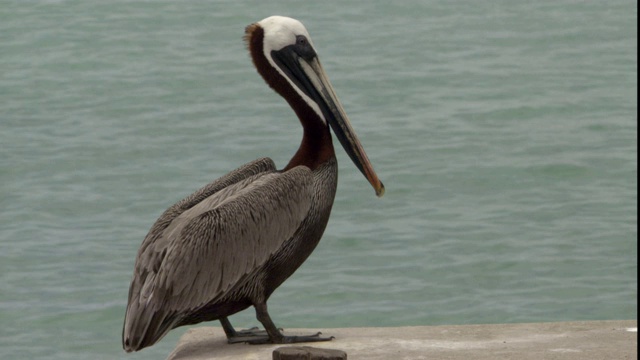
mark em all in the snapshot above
pixel 219 247
pixel 250 169
pixel 154 248
pixel 215 240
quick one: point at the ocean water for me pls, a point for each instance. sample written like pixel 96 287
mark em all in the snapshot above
pixel 505 133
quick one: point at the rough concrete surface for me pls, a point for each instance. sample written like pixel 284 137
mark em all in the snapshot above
pixel 562 340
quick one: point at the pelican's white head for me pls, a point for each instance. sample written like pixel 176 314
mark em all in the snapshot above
pixel 281 31
pixel 286 45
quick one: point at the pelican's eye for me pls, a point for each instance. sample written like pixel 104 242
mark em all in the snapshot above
pixel 303 48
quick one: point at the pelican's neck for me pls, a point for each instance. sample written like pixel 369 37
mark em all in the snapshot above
pixel 316 147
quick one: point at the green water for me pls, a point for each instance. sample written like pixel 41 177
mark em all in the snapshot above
pixel 504 131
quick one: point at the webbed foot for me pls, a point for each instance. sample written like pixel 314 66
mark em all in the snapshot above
pixel 282 339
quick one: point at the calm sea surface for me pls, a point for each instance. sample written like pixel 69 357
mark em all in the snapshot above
pixel 504 131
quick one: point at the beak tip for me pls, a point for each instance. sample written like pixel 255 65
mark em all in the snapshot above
pixel 380 190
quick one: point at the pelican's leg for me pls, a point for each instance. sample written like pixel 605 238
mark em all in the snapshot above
pixel 275 336
pixel 234 336
pixel 228 328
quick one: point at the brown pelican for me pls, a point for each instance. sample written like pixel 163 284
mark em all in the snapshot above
pixel 229 245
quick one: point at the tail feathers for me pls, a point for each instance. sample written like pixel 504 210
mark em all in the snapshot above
pixel 145 325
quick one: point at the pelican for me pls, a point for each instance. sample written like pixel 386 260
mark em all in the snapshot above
pixel 230 244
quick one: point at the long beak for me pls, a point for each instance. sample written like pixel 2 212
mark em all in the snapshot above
pixel 310 77
pixel 337 118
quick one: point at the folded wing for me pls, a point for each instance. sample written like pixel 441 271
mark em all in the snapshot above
pixel 204 245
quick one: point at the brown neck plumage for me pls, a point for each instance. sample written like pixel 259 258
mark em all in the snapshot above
pixel 316 146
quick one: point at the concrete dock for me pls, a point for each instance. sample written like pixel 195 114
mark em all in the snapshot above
pixel 561 340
